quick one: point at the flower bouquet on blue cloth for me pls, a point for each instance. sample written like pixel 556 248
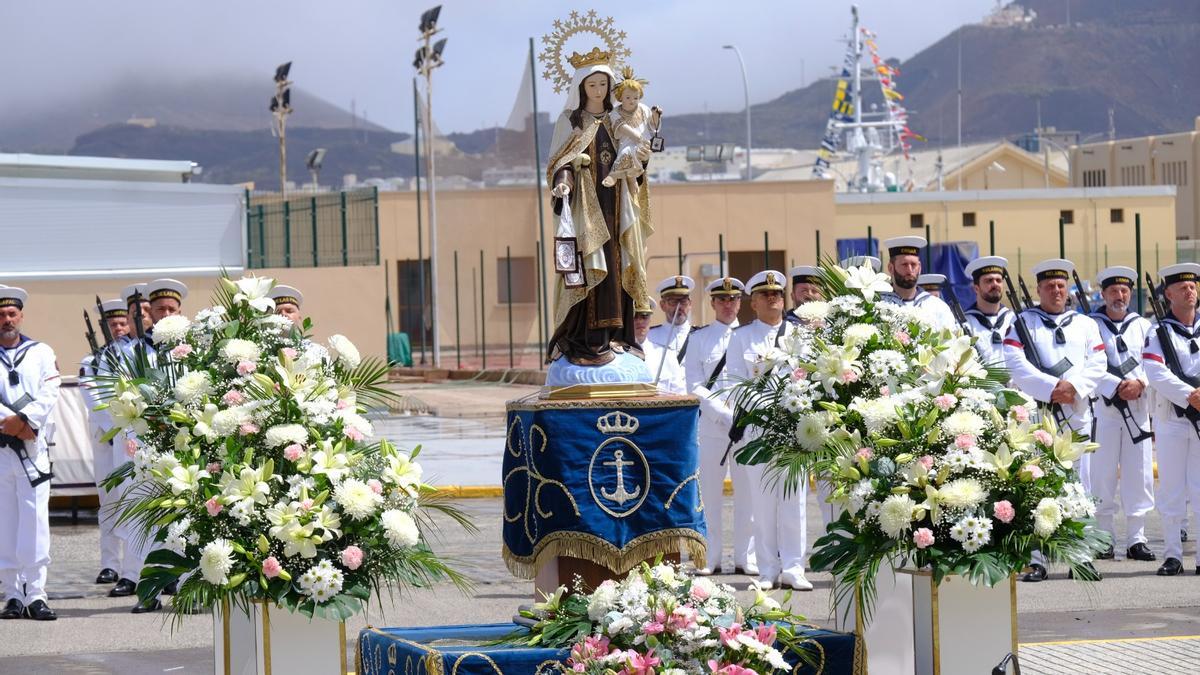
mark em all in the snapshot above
pixel 933 463
pixel 253 465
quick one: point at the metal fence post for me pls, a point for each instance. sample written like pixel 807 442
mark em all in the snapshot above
pixel 818 253
pixel 991 237
pixel 540 300
pixel 508 282
pixel 315 248
pixel 679 253
pixel 262 237
pixel 1062 237
pixel 766 249
pixel 375 213
pixel 870 241
pixel 1137 254
pixel 287 233
pixel 249 234
pixel 721 255
pixel 482 312
pixel 928 249
pixel 457 325
pixel 345 245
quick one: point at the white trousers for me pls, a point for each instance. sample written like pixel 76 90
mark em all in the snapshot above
pixel 1120 465
pixel 780 525
pixel 1178 479
pixel 712 491
pixel 137 544
pixel 111 544
pixel 24 530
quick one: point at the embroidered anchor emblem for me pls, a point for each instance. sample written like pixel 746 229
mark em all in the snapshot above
pixel 620 495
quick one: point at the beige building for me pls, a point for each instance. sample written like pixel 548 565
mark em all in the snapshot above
pixel 1169 159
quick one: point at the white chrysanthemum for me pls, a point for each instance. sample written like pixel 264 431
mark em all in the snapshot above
pixel 859 333
pixel 191 389
pixel 1047 517
pixel 177 533
pixel 313 356
pixel 972 532
pixel 353 420
pixel 847 304
pixel 275 324
pixel 963 422
pixel 877 413
pixel 322 581
pixel 237 350
pixel 1075 502
pixel 243 512
pixel 343 350
pixel 811 431
pixel 962 493
pixel 356 498
pixel 859 494
pixel 285 434
pixel 226 422
pixel 887 363
pixel 216 559
pixel 813 311
pixel 895 515
pixel 602 600
pixel 171 330
pixel 400 528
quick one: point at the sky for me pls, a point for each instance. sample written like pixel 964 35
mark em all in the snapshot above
pixel 362 50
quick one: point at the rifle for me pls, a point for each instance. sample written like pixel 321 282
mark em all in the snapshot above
pixel 955 307
pixel 1025 292
pixel 139 347
pixel 108 337
pixel 35 475
pixel 90 334
pixel 1171 357
pixel 1031 353
pixel 1080 296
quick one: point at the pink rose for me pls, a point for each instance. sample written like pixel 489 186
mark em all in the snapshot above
pixel 352 557
pixel 181 351
pixel 1042 436
pixel 1004 511
pixel 923 537
pixel 799 374
pixel 375 486
pixel 248 428
pixel 885 390
pixel 246 367
pixel 964 441
pixel 902 337
pixel 353 434
pixel 233 397
pixel 214 507
pixel 342 404
pixel 130 447
pixel 945 402
pixel 699 592
pixel 849 376
pixel 271 568
pixel 926 461
pixel 306 504
pixel 293 452
pixel 1020 413
pixel 864 454
pixel 213 468
pixel 288 352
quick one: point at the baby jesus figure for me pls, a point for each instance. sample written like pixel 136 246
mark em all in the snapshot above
pixel 634 124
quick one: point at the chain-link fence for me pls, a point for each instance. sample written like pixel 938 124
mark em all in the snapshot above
pixel 327 229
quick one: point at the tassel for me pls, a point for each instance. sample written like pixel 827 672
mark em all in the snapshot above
pixel 1061 338
pixel 1121 346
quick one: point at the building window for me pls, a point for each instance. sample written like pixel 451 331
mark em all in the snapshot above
pixel 1116 215
pixel 1095 178
pixel 1067 216
pixel 1174 173
pixel 969 219
pixel 1133 175
pixel 916 220
pixel 524 280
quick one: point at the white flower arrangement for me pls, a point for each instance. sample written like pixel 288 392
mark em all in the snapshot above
pixel 171 330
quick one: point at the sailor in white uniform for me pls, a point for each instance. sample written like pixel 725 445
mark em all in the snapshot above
pixel 707 375
pixel 29 383
pixel 932 283
pixel 675 299
pixel 805 286
pixel 1122 410
pixel 1070 361
pixel 904 267
pixel 780 526
pixel 661 360
pixel 1174 373
pixel 987 319
pixel 287 303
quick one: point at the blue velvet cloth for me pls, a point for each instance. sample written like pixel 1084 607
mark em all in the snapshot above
pixel 441 650
pixel 615 482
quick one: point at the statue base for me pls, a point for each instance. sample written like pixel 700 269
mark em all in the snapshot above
pixel 626 376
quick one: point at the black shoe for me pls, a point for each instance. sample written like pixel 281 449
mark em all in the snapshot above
pixel 1140 551
pixel 1107 555
pixel 107 576
pixel 1035 574
pixel 171 588
pixel 38 610
pixel 124 587
pixel 143 607
pixel 1183 535
pixel 1090 573
pixel 1170 567
pixel 13 609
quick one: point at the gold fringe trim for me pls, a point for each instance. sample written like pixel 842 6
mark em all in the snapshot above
pixel 660 401
pixel 595 549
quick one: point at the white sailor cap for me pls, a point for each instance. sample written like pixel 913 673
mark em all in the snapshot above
pixel 767 280
pixel 166 288
pixel 131 290
pixel 804 274
pixel 11 296
pixel 990 264
pixel 931 281
pixel 1055 268
pixel 861 260
pixel 676 285
pixel 1118 274
pixel 1179 272
pixel 286 294
pixel 725 286
pixel 909 245
pixel 115 308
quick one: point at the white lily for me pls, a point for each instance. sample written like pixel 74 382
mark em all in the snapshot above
pixel 253 290
pixel 867 281
pixel 186 479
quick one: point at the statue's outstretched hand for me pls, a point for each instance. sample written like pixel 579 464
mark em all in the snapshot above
pixel 561 190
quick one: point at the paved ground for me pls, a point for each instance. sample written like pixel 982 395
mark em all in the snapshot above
pixel 1129 612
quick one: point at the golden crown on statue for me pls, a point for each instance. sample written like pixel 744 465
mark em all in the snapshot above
pixel 614 53
pixel 589 59
pixel 617 423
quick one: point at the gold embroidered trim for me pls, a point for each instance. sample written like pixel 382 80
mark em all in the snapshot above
pixel 693 477
pixel 597 550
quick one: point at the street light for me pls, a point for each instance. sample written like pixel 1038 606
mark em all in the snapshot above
pixel 746 91
pixel 314 161
pixel 281 107
pixel 428 57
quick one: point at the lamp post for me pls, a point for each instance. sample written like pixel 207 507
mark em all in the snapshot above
pixel 429 56
pixel 281 107
pixel 314 161
pixel 746 92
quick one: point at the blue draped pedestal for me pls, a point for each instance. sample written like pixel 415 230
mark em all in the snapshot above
pixel 614 482
pixel 442 650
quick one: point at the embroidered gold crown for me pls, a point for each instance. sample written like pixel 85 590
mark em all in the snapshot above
pixel 617 423
pixel 591 58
